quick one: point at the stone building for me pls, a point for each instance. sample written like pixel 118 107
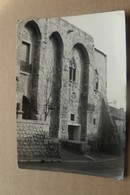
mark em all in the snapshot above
pixel 119 117
pixel 61 79
pixel 61 72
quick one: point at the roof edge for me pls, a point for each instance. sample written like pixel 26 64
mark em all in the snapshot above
pixel 100 52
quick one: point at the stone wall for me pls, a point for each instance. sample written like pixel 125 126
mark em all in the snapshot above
pixel 108 137
pixel 95 95
pixel 33 142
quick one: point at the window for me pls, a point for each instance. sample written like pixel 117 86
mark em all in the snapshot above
pixel 94 121
pixel 74 74
pixel 25 57
pixel 18 106
pixel 72 70
pixel 72 117
pixel 25 52
pixel 70 78
pixel 96 87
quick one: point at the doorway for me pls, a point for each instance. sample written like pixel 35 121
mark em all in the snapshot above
pixel 26 108
pixel 74 132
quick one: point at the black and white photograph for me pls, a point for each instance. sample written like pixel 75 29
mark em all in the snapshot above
pixel 71 94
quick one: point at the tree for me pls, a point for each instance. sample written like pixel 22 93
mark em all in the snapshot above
pixel 48 107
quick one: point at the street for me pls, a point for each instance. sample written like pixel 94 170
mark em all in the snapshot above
pixel 97 164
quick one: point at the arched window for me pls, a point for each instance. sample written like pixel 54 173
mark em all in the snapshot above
pixel 96 87
pixel 72 70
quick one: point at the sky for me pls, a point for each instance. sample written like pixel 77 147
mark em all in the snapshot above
pixel 108 31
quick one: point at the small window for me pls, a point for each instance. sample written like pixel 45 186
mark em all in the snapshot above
pixel 96 87
pixel 72 74
pixel 72 116
pixel 94 121
pixel 70 78
pixel 18 106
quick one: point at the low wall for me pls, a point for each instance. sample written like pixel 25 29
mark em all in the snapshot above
pixel 74 146
pixel 32 141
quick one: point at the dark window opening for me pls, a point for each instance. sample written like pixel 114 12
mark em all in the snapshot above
pixel 18 106
pixel 96 85
pixel 72 116
pixel 70 132
pixel 94 121
pixel 72 73
pixel 26 108
pixel 96 81
pixel 70 78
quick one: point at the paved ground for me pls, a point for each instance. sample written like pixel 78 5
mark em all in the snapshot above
pixel 68 156
pixel 98 164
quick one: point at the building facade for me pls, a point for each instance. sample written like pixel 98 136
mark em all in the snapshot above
pixel 119 117
pixel 61 78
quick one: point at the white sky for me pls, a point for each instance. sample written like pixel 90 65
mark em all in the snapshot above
pixel 108 31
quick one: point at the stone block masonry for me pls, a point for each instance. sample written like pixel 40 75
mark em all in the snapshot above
pixel 33 142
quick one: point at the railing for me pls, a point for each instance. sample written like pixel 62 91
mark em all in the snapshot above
pixel 25 67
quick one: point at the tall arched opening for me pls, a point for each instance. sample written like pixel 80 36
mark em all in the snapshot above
pixel 29 65
pixel 83 62
pixel 56 61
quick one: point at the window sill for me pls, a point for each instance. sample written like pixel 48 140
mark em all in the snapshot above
pixel 24 73
pixel 73 82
